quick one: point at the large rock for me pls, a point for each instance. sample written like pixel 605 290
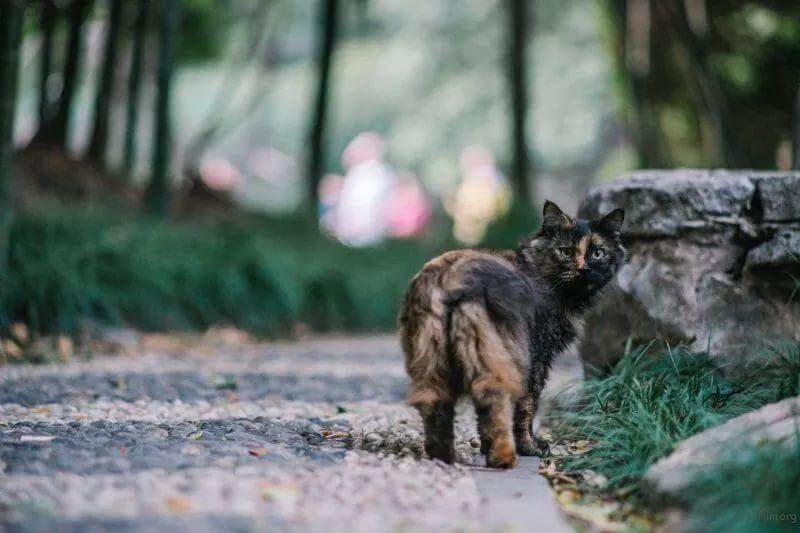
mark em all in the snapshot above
pixel 669 478
pixel 714 263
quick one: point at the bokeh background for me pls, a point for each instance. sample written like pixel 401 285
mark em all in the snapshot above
pixel 286 166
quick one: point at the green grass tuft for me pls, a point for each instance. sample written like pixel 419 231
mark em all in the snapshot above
pixel 649 402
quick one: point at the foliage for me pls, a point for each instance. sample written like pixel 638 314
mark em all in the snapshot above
pixel 67 265
pixel 752 490
pixel 204 28
pixel 649 402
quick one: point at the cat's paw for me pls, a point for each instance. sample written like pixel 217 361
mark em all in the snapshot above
pixel 533 447
pixel 502 454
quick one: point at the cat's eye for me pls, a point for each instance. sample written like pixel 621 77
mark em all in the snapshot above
pixel 598 253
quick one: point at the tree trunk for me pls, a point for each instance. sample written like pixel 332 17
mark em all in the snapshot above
pixel 47 26
pixel 77 12
pixel 796 133
pixel 158 193
pixel 11 13
pixel 105 87
pixel 328 22
pixel 713 100
pixel 632 30
pixel 517 11
pixel 135 86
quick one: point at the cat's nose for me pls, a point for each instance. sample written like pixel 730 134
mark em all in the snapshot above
pixel 584 270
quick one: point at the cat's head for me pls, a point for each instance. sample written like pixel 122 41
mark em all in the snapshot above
pixel 575 255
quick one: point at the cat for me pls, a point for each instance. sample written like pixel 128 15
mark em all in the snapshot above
pixel 488 324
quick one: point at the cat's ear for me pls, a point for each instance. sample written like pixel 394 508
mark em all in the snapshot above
pixel 554 218
pixel 612 222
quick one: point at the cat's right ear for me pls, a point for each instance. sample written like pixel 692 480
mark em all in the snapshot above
pixel 554 218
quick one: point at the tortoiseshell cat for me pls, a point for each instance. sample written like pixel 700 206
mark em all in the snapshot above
pixel 489 323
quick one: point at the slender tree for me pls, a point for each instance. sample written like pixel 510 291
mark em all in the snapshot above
pixel 11 13
pixel 518 26
pixel 98 142
pixel 796 133
pixel 135 85
pixel 48 16
pixel 632 30
pixel 713 101
pixel 77 13
pixel 158 192
pixel 328 26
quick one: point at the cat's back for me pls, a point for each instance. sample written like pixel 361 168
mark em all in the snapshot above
pixel 456 270
pixel 490 277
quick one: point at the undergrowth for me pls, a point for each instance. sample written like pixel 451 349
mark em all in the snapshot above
pixel 71 263
pixel 651 401
pixel 67 265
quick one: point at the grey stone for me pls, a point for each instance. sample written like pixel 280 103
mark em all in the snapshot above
pixel 670 477
pixel 713 259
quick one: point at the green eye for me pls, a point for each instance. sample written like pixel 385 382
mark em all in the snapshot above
pixel 598 253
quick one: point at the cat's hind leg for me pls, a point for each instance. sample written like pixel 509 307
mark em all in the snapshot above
pixel 495 410
pixel 437 419
pixel 492 378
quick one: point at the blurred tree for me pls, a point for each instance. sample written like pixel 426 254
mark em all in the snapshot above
pixel 709 83
pixel 135 85
pixel 159 189
pixel 223 117
pixel 631 45
pixel 328 26
pixel 11 15
pixel 518 27
pixel 205 25
pixel 77 13
pixel 711 96
pixel 98 142
pixel 796 134
pixel 48 16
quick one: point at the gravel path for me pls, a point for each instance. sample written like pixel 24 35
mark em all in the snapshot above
pixel 306 436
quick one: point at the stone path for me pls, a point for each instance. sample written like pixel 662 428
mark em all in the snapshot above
pixel 305 436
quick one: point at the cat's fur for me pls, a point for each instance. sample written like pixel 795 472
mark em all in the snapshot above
pixel 489 323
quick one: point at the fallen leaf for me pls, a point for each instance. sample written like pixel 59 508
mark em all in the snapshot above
pixel 565 497
pixel 598 515
pixel 179 505
pixel 257 452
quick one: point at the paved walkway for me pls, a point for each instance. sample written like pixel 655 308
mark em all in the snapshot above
pixel 306 436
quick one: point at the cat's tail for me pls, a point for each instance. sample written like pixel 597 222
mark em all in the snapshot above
pixel 423 336
pixel 491 375
pixel 484 353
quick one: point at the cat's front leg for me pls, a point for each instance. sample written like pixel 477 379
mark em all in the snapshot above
pixel 525 411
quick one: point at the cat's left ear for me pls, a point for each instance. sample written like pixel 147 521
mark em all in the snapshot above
pixel 612 222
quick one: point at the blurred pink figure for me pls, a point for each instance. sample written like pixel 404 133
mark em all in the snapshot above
pixel 408 209
pixel 360 218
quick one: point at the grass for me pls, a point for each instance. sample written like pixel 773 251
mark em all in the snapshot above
pixel 651 401
pixel 754 489
pixel 68 264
